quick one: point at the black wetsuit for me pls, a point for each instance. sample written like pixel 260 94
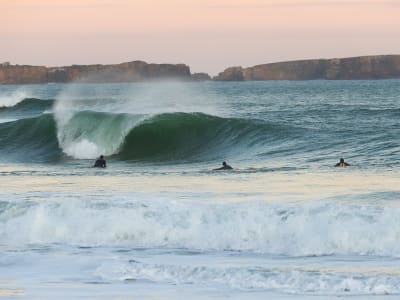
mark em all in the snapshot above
pixel 100 163
pixel 342 164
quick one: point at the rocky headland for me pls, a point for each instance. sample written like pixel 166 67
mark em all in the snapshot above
pixel 353 68
pixel 125 72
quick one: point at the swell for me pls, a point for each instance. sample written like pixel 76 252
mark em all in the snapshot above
pixel 164 137
pixel 29 105
pixel 186 137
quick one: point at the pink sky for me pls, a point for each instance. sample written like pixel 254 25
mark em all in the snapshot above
pixel 207 35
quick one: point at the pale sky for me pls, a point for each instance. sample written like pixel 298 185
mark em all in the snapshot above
pixel 208 35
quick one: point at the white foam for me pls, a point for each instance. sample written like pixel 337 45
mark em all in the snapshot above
pixel 285 280
pixel 13 98
pixel 312 229
pixel 6 120
pixel 87 137
pixel 83 149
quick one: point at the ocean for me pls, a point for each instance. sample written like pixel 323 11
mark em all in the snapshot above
pixel 159 223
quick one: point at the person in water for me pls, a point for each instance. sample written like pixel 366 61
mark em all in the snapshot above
pixel 225 166
pixel 100 162
pixel 342 163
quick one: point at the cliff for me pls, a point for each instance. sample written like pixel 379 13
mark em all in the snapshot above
pixel 22 74
pixel 364 67
pixel 124 72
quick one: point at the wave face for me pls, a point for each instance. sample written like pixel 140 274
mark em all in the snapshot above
pixel 164 137
pixel 182 136
pixel 29 139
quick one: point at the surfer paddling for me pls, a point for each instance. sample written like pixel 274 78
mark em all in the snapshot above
pixel 342 163
pixel 100 162
pixel 225 166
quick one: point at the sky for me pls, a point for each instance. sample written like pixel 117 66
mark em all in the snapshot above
pixel 207 35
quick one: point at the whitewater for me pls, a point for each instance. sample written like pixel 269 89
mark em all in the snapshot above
pixel 159 223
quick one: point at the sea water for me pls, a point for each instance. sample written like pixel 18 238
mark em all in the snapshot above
pixel 158 223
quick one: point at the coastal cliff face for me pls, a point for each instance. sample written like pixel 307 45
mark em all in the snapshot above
pixel 365 67
pixel 22 74
pixel 125 72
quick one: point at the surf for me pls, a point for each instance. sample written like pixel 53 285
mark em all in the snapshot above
pixel 128 137
pixel 312 228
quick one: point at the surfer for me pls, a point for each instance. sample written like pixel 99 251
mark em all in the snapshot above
pixel 225 166
pixel 100 162
pixel 342 163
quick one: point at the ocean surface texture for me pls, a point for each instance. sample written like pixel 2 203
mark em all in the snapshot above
pixel 158 223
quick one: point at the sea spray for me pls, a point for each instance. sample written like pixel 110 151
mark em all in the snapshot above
pixel 100 135
pixel 13 97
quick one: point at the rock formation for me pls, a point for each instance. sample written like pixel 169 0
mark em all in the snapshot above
pixel 22 74
pixel 365 67
pixel 200 77
pixel 125 72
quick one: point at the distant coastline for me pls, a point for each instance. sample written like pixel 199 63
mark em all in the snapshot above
pixel 352 68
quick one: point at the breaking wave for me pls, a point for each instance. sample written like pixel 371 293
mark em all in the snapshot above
pixel 310 229
pixel 170 136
